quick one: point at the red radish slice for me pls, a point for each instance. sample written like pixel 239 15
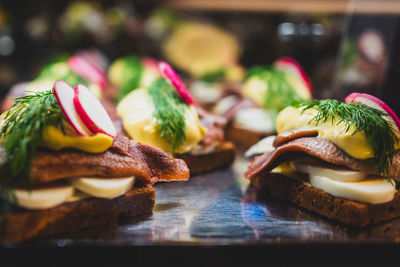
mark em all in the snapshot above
pixel 372 46
pixel 168 72
pixel 92 112
pixel 95 57
pixel 86 69
pixel 150 63
pixel 293 67
pixel 376 103
pixel 65 95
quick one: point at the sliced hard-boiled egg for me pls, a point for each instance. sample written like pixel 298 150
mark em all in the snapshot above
pixel 265 145
pixel 104 187
pixel 206 92
pixel 255 119
pixel 43 198
pixel 373 191
pixel 336 174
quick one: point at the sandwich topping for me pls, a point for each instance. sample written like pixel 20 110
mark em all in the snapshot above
pixel 273 88
pixel 157 116
pixel 163 114
pixel 361 131
pixel 266 91
pixel 349 150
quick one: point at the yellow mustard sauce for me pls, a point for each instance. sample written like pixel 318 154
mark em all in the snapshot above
pixel 54 139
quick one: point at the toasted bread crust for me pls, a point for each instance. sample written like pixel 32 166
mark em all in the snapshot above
pixel 346 211
pixel 221 157
pixel 22 224
pixel 244 138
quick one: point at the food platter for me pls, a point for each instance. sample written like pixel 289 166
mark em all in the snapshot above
pixel 221 210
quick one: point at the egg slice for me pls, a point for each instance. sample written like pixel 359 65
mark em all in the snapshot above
pixel 336 174
pixel 265 145
pixel 374 191
pixel 43 198
pixel 255 119
pixel 104 187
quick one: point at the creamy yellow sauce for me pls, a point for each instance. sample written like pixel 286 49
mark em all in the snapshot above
pixel 136 111
pixel 115 72
pixel 255 89
pixel 356 145
pixel 54 139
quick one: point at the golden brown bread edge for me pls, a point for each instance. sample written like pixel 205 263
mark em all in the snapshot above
pixel 345 211
pixel 221 157
pixel 21 225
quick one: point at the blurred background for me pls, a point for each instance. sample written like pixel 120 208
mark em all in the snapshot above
pixel 343 45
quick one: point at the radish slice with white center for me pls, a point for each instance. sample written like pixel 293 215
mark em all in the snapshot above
pixel 168 72
pixel 92 112
pixel 96 58
pixel 372 46
pixel 64 95
pixel 376 103
pixel 293 67
pixel 86 69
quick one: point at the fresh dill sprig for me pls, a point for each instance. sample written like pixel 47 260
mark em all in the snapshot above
pixel 380 133
pixel 21 131
pixel 280 91
pixel 169 112
pixel 131 73
pixel 59 70
pixel 214 76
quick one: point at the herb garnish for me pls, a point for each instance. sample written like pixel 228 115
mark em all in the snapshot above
pixel 20 134
pixel 169 112
pixel 380 133
pixel 214 76
pixel 280 91
pixel 59 70
pixel 131 73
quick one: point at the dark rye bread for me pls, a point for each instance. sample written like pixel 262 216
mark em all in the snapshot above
pixel 21 224
pixel 244 138
pixel 221 157
pixel 348 212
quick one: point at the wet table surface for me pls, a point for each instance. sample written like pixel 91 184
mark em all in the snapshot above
pixel 221 208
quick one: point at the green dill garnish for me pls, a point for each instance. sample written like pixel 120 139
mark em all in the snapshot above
pixel 169 112
pixel 349 52
pixel 20 134
pixel 380 133
pixel 280 91
pixel 130 75
pixel 59 70
pixel 214 76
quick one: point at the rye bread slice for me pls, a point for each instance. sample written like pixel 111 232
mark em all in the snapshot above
pixel 345 211
pixel 21 224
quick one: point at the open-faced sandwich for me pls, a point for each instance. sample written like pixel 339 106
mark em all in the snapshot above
pixel 65 168
pixel 266 90
pixel 340 160
pixel 164 115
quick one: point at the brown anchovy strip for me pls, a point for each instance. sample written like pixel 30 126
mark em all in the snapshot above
pixel 123 159
pixel 319 148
